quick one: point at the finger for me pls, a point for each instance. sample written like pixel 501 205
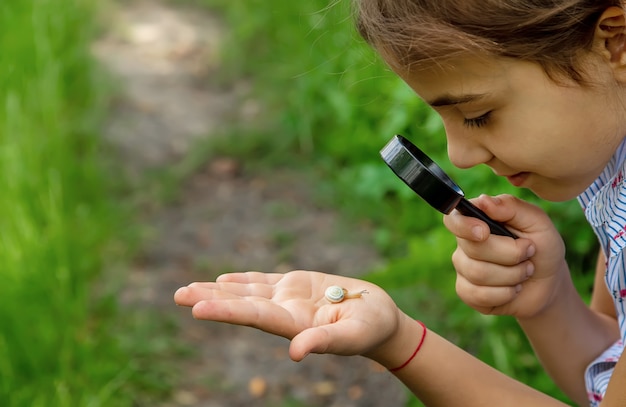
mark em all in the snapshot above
pixel 190 295
pixel 242 278
pixel 498 250
pixel 516 213
pixel 256 313
pixel 250 277
pixel 485 298
pixel 466 227
pixel 184 297
pixel 202 284
pixel 244 289
pixel 491 274
pixel 196 292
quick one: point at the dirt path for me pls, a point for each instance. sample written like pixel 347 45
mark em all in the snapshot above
pixel 223 220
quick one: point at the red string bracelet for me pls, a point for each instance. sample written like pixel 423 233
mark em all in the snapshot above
pixel 419 346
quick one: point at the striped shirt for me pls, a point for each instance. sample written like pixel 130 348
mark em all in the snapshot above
pixel 604 203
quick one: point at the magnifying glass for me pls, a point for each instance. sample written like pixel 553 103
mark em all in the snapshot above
pixel 431 183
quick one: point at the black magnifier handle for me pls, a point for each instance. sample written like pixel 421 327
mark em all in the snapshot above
pixel 468 209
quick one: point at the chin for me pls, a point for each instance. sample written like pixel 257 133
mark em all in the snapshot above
pixel 553 194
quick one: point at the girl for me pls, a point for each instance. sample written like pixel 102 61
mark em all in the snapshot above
pixel 536 90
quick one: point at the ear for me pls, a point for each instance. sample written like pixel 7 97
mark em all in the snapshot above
pixel 610 37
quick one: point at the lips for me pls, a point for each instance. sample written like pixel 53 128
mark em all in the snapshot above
pixel 518 179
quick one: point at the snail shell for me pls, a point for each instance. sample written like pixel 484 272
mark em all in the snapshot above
pixel 336 294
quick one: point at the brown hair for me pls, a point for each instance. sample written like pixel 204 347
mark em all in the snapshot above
pixel 418 33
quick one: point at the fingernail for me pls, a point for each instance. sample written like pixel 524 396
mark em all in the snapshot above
pixel 477 232
pixel 530 269
pixel 530 252
pixel 518 288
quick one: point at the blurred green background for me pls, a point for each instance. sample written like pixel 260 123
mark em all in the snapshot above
pixel 329 105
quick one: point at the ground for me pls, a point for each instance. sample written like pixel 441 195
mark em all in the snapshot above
pixel 165 58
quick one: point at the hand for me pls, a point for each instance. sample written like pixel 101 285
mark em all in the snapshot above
pixel 504 276
pixel 293 305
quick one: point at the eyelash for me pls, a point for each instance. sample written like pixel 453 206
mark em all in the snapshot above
pixel 477 122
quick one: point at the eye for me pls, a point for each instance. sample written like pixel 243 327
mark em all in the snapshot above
pixel 477 122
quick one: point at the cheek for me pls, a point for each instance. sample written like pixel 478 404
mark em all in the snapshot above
pixel 547 132
pixel 531 145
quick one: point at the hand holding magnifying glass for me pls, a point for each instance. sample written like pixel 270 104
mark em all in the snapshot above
pixel 430 182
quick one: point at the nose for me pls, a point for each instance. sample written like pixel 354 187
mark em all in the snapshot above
pixel 466 151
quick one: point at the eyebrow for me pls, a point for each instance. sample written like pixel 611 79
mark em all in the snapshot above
pixel 449 100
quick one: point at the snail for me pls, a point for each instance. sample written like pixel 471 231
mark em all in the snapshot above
pixel 336 294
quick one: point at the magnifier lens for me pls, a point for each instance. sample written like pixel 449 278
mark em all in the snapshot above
pixel 421 174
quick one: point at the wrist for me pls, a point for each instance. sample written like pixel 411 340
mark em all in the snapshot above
pixel 402 347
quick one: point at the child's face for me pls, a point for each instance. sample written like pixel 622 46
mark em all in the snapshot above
pixel 508 114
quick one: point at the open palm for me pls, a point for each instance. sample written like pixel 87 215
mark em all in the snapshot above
pixel 293 306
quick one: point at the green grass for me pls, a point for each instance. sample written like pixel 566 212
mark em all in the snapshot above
pixel 58 218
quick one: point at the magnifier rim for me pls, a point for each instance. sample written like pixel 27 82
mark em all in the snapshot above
pixel 394 154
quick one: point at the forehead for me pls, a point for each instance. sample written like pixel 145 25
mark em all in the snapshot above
pixel 466 79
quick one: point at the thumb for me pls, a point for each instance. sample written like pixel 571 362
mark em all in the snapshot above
pixel 338 338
